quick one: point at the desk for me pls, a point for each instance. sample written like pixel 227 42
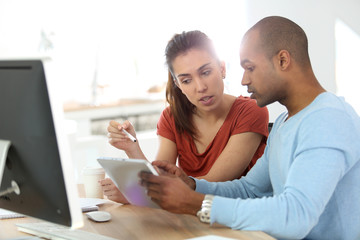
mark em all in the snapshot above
pixel 132 222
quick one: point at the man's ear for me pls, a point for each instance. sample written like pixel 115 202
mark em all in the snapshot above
pixel 284 59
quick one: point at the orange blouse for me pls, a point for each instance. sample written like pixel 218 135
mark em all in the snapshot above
pixel 244 116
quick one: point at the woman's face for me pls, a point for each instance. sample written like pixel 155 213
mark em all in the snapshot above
pixel 200 78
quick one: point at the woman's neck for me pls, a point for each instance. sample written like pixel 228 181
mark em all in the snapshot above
pixel 217 114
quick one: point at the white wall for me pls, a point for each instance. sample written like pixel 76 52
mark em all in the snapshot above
pixel 317 18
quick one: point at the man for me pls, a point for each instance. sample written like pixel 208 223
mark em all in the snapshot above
pixel 306 185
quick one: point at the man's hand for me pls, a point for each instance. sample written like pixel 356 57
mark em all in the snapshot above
pixel 171 193
pixel 169 168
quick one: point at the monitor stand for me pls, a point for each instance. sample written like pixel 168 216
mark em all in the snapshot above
pixel 4 148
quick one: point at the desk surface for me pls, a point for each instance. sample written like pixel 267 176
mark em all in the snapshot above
pixel 132 222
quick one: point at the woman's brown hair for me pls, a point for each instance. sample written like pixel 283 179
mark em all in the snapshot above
pixel 181 108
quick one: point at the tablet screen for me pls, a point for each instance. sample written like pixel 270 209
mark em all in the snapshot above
pixel 124 173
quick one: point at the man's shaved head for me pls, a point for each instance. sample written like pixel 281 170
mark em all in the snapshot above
pixel 278 33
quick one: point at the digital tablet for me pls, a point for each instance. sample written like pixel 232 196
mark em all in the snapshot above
pixel 124 173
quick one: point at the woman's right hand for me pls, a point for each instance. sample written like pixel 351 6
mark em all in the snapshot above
pixel 119 139
pixel 112 192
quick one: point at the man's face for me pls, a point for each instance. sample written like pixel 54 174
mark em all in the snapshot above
pixel 260 75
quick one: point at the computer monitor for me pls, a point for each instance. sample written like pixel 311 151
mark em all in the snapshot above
pixel 34 153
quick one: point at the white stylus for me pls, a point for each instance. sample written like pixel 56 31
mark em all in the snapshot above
pixel 129 135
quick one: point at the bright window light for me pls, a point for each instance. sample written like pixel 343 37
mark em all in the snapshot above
pixel 115 48
pixel 347 63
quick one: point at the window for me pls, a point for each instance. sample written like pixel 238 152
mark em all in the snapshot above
pixel 104 50
pixel 347 64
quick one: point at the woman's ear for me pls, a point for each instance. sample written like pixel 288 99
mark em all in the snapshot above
pixel 171 78
pixel 176 82
pixel 223 69
pixel 283 59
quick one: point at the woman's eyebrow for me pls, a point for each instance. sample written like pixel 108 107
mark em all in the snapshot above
pixel 199 70
pixel 203 66
pixel 183 75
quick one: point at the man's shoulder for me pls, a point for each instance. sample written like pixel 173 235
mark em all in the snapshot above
pixel 328 104
pixel 329 100
pixel 326 111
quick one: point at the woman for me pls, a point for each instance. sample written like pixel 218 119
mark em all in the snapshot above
pixel 212 135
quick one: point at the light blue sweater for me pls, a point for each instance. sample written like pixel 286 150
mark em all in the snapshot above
pixel 307 183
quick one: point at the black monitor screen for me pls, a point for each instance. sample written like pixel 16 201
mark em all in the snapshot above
pixel 33 159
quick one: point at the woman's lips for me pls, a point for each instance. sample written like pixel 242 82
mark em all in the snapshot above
pixel 207 100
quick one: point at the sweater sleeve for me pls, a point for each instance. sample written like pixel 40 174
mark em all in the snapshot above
pixel 322 157
pixel 293 213
pixel 255 184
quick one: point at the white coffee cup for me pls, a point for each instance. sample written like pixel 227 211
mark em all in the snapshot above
pixel 91 178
